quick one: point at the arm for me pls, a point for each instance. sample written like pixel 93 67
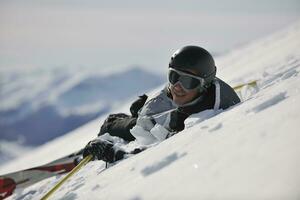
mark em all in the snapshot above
pixel 120 124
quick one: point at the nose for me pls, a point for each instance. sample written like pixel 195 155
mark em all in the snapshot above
pixel 178 86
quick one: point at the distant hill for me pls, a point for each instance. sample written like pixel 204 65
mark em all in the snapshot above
pixel 40 105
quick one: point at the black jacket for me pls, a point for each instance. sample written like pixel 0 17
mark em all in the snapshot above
pixel 218 96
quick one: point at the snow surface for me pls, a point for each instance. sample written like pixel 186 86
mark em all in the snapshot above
pixel 250 151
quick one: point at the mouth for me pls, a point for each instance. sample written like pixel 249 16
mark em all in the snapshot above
pixel 179 94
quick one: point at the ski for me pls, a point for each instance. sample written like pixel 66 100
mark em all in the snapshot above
pixel 24 178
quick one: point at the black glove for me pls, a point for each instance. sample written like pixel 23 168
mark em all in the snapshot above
pixel 118 125
pixel 103 150
pixel 137 105
pixel 177 120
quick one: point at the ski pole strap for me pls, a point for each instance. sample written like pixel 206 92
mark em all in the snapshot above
pixel 77 168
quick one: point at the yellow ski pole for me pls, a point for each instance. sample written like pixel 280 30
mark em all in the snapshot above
pixel 77 168
pixel 252 84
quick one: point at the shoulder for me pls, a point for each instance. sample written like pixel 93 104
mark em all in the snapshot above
pixel 225 96
pixel 157 103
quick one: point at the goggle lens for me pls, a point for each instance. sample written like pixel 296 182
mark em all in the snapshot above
pixel 186 81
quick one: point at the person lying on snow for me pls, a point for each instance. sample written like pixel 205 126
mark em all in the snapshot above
pixel 192 88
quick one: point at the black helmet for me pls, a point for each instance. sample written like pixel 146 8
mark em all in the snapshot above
pixel 197 59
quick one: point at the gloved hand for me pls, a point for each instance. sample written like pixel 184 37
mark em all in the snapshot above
pixel 118 125
pixel 102 150
pixel 137 105
pixel 177 118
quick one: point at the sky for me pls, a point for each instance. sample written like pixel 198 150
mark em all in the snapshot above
pixel 110 35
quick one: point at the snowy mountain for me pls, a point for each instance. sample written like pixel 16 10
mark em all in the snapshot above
pixel 250 151
pixel 39 105
pixel 11 150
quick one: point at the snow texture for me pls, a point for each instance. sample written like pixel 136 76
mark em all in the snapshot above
pixel 249 151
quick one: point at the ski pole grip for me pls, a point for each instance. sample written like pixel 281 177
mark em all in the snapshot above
pixel 77 168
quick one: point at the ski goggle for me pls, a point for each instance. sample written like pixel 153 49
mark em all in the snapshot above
pixel 187 81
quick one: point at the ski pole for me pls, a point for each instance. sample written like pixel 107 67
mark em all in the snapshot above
pixel 77 168
pixel 251 83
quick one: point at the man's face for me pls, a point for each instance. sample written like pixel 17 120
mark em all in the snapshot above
pixel 182 96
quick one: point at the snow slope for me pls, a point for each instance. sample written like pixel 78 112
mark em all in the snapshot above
pixel 250 151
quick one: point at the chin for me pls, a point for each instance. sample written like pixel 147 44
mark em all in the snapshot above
pixel 179 102
pixel 177 99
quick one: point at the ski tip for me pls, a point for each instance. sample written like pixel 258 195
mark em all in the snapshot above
pixel 7 187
